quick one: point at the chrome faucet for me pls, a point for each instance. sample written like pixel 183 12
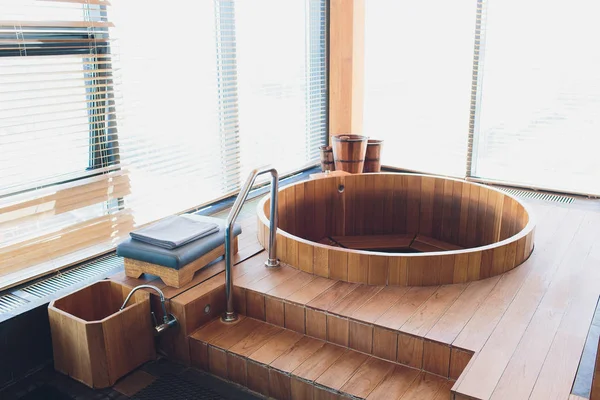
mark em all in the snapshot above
pixel 169 320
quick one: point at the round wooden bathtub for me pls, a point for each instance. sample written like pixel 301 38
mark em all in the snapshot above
pixel 399 229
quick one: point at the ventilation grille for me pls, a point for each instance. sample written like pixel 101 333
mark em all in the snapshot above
pixel 63 280
pixel 9 302
pixel 528 194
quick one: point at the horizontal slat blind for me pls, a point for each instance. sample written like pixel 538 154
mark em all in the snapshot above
pixel 111 118
pixel 281 52
pixel 177 139
pixel 539 115
pixel 62 186
pixel 418 68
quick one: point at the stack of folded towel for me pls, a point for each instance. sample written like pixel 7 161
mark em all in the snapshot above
pixel 175 231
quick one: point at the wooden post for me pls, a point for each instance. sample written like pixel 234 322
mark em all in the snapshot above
pixel 346 66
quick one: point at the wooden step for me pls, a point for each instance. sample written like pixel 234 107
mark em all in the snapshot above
pixel 284 364
pixel 388 322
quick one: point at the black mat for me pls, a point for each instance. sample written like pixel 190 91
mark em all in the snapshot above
pixel 46 392
pixel 171 386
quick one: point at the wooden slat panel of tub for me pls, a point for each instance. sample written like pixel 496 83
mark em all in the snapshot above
pixel 460 213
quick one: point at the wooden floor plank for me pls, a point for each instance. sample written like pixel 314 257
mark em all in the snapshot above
pixel 275 347
pixel 451 323
pixel 522 371
pixel 307 293
pixel 481 325
pixel 425 387
pixel 445 392
pixel 342 370
pixel 255 340
pixel 370 374
pixel 560 365
pixel 233 336
pixel 297 354
pixel 379 303
pixel 431 311
pixel 213 329
pixel 491 361
pixel 329 298
pixel 292 285
pixel 355 299
pixel 276 277
pixel 406 306
pixel 319 362
pixel 395 384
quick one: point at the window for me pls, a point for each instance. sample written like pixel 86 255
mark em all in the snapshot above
pixel 281 53
pixel 61 185
pixel 418 68
pixel 539 114
pixel 115 114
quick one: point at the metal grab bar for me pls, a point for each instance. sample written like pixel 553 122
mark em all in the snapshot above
pixel 230 315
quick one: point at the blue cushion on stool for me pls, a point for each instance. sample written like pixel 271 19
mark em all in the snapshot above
pixel 179 257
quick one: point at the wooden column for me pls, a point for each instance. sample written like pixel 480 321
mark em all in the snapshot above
pixel 346 66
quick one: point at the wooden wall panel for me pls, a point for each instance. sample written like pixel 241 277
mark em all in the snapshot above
pixel 400 203
pixel 346 66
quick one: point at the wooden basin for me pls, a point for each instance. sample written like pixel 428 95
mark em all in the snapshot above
pixel 93 341
pixel 399 229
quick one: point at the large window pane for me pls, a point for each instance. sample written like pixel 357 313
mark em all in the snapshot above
pixel 539 121
pixel 282 82
pixel 418 68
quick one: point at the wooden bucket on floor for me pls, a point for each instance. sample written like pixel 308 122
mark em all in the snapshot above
pixel 373 156
pixel 349 152
pixel 327 159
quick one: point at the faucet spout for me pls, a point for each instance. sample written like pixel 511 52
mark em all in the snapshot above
pixel 168 319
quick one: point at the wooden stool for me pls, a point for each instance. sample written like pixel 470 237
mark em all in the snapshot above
pixel 176 267
pixel 175 277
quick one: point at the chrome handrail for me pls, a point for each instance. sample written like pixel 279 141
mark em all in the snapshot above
pixel 230 315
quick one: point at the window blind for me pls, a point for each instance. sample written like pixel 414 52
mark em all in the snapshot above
pixel 418 69
pixel 61 181
pixel 281 53
pixel 180 131
pixel 539 114
pixel 109 120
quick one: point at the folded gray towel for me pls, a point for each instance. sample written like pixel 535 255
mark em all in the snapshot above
pixel 175 231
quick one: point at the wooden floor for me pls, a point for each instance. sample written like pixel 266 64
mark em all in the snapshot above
pixel 515 336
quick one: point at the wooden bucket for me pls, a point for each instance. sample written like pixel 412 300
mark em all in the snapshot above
pixel 349 152
pixel 373 156
pixel 327 159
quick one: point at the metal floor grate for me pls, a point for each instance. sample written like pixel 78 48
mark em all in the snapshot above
pixel 63 280
pixel 9 302
pixel 530 194
pixel 172 387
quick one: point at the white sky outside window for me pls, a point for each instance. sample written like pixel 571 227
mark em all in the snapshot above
pixel 271 54
pixel 169 136
pixel 540 110
pixel 418 69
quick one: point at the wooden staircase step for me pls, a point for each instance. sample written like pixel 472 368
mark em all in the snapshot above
pixel 388 322
pixel 284 364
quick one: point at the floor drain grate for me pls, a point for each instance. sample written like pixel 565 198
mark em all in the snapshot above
pixel 63 280
pixel 9 302
pixel 172 387
pixel 530 194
